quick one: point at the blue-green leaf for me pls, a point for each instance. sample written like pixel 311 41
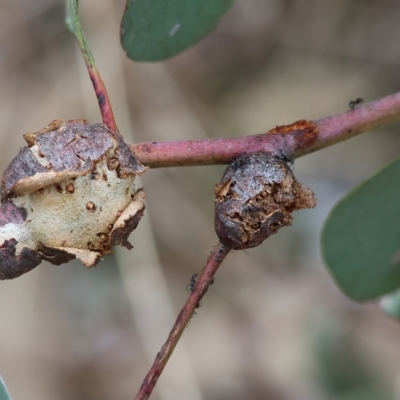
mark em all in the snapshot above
pixel 4 395
pixel 361 237
pixel 154 30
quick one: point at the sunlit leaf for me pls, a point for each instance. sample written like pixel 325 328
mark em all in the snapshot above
pixel 361 237
pixel 4 395
pixel 159 29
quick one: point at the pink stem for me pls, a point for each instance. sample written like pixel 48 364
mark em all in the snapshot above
pixel 292 141
pixel 204 280
pixel 103 99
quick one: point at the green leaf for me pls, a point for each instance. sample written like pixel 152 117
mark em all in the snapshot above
pixel 368 392
pixel 71 17
pixel 73 24
pixel 361 237
pixel 4 395
pixel 154 30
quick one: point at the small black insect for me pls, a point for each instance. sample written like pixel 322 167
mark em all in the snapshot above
pixel 354 103
pixel 192 285
pixel 218 258
pixel 286 159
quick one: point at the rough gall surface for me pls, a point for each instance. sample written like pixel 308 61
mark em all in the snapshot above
pixel 256 196
pixel 48 189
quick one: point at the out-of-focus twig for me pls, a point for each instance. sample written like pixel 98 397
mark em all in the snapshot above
pixel 291 142
pixel 204 280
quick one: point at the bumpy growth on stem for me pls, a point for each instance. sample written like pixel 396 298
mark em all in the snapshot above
pixel 69 194
pixel 256 196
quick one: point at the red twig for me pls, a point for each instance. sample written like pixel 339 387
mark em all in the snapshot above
pixel 103 99
pixel 330 130
pixel 204 280
pixel 74 25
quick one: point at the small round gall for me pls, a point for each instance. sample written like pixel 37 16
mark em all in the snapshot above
pixel 90 206
pixel 112 164
pixel 255 198
pixel 103 236
pixel 121 174
pixel 70 188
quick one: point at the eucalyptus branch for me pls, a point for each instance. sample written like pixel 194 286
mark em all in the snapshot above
pixel 293 140
pixel 204 280
pixel 72 21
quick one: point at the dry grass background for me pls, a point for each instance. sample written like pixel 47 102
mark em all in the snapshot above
pixel 273 326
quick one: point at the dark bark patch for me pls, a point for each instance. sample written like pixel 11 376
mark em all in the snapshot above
pixel 122 229
pixel 24 165
pixel 12 266
pixel 128 161
pixel 73 143
pixel 55 256
pixel 10 213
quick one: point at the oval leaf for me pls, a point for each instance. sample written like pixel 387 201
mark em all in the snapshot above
pixel 361 237
pixel 159 29
pixel 4 395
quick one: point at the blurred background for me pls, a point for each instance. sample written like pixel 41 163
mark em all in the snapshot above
pixel 274 326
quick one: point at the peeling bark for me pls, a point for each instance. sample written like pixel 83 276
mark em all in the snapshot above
pixel 69 194
pixel 256 197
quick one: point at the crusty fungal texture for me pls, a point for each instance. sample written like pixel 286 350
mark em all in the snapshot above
pixel 256 197
pixel 69 194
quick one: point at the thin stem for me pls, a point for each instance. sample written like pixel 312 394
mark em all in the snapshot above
pixel 204 280
pixel 72 21
pixel 288 140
